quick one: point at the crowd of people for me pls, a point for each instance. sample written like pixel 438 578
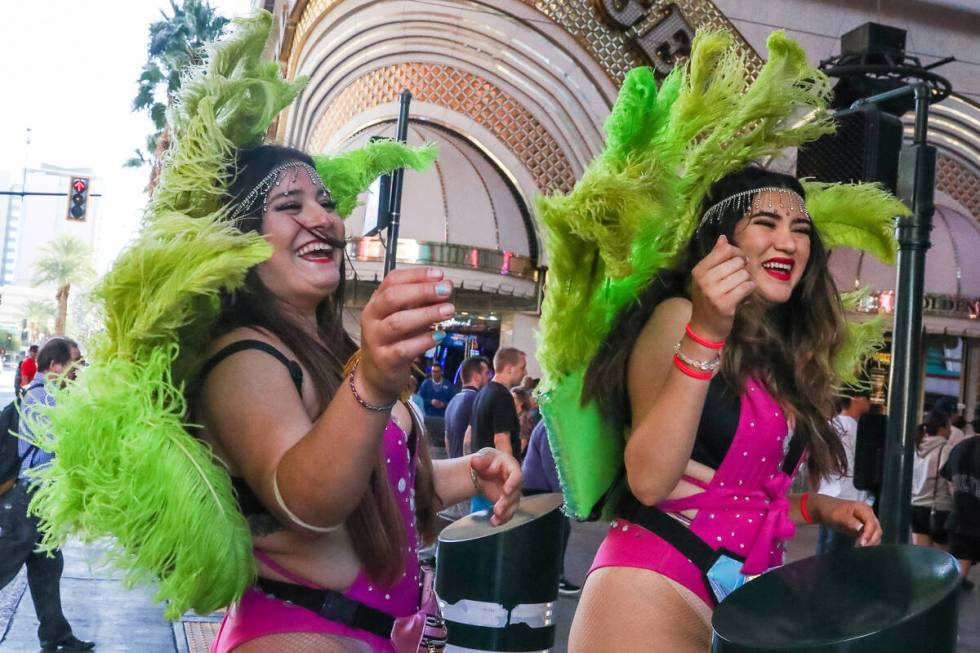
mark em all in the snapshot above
pixel 946 489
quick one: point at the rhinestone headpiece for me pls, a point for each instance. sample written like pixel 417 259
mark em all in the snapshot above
pixel 742 201
pixel 271 180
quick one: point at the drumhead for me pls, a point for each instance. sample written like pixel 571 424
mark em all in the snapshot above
pixel 477 525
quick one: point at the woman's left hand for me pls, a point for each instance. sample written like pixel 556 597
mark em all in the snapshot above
pixel 500 478
pixel 853 518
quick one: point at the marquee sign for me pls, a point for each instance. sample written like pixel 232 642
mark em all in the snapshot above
pixel 659 30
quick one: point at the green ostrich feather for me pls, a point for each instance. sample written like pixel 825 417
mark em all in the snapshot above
pixel 349 174
pixel 226 104
pixel 130 470
pixel 637 205
pixel 861 216
pixel 125 465
pixel 864 338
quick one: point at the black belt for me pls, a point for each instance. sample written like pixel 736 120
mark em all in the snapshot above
pixel 331 605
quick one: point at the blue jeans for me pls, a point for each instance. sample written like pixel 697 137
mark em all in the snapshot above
pixel 19 538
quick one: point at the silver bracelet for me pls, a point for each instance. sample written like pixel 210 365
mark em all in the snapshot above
pixel 378 408
pixel 699 365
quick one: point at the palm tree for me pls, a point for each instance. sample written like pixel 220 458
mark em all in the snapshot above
pixel 39 315
pixel 176 42
pixel 64 260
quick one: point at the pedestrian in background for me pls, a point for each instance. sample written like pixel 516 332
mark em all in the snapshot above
pixel 57 363
pixel 494 423
pixel 475 373
pixel 853 407
pixel 932 503
pixel 522 404
pixel 26 370
pixel 540 476
pixel 436 392
pixel 962 469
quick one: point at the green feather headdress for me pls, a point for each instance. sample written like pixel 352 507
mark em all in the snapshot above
pixel 125 465
pixel 637 204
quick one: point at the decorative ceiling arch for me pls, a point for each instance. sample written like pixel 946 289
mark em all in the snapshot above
pixel 462 93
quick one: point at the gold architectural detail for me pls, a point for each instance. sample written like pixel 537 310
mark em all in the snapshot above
pixel 959 183
pixel 612 48
pixel 465 93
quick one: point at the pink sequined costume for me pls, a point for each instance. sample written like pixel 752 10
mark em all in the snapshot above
pixel 258 615
pixel 743 509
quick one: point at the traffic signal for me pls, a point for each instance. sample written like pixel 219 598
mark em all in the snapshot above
pixel 78 198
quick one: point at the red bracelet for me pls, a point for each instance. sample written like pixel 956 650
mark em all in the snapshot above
pixel 690 371
pixel 806 515
pixel 701 341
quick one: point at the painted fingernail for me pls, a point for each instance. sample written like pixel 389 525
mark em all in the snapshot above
pixel 438 336
pixel 435 273
pixel 446 310
pixel 442 289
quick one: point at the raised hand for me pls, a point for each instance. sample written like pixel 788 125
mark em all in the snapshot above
pixel 720 283
pixel 396 328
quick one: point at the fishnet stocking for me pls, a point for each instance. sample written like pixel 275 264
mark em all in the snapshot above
pixel 623 610
pixel 303 643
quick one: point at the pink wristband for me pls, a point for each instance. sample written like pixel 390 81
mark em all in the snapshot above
pixel 701 341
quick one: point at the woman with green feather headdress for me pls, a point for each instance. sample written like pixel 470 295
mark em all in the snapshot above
pixel 709 340
pixel 229 435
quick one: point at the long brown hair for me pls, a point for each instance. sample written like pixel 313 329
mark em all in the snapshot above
pixel 375 525
pixel 789 346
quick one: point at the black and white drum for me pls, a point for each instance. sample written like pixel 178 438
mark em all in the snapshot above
pixel 497 585
pixel 888 598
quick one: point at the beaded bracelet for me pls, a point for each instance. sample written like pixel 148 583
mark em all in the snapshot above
pixel 699 365
pixel 378 408
pixel 702 341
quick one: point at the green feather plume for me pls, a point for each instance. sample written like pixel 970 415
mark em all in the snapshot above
pixel 637 204
pixel 860 216
pixel 349 174
pixel 227 103
pixel 133 472
pixel 125 464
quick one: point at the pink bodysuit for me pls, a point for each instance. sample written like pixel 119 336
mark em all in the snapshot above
pixel 743 509
pixel 258 615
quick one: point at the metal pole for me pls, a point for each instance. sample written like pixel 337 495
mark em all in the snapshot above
pixel 916 182
pixel 397 179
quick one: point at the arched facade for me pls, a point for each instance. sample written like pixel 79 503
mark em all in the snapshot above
pixel 527 84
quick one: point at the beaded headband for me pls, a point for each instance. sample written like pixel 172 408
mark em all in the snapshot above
pixel 270 181
pixel 742 202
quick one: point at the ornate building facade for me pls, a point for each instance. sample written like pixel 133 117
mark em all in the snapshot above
pixel 515 93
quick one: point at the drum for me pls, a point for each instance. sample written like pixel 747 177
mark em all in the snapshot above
pixel 894 598
pixel 497 585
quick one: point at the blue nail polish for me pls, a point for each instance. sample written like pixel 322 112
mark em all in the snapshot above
pixel 438 336
pixel 442 289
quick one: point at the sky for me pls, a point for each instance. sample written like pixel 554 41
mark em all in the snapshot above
pixel 69 72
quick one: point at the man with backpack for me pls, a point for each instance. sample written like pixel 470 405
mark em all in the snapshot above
pixel 57 363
